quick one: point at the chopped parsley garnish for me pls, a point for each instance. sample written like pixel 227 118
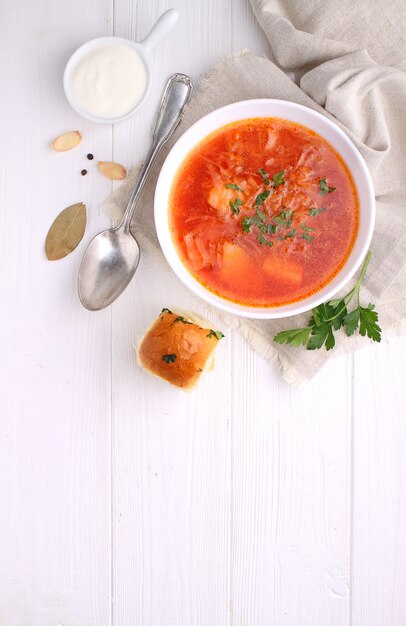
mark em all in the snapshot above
pixel 258 219
pixel 180 318
pixel 307 228
pixel 246 223
pixel 264 176
pixel 263 239
pixel 315 212
pixel 261 215
pixel 215 333
pixel 166 311
pixel 280 224
pixel 261 197
pixel 278 178
pixel 233 186
pixel 283 218
pixel 169 358
pixel 324 188
pixel 235 206
pixel 333 315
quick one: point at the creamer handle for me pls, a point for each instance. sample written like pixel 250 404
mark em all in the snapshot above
pixel 160 29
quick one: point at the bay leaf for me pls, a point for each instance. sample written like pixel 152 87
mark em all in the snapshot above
pixel 66 232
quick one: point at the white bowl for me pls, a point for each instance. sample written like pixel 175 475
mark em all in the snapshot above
pixel 295 113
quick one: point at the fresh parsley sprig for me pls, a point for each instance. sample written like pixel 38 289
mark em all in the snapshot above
pixel 333 315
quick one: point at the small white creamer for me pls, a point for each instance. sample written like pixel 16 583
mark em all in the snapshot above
pixel 109 80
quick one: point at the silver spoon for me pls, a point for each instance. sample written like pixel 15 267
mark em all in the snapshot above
pixel 112 257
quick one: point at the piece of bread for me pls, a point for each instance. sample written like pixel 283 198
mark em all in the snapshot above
pixel 177 349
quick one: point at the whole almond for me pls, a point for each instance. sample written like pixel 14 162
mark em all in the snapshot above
pixel 67 141
pixel 111 170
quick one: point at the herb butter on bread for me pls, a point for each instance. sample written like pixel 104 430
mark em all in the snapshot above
pixel 177 349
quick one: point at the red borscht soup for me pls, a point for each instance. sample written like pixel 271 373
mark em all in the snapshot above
pixel 263 212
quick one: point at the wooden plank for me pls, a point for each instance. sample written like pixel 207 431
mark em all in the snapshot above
pixel 290 495
pixel 290 476
pixel 171 449
pixel 55 428
pixel 379 486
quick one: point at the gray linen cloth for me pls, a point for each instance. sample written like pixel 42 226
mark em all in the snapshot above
pixel 346 60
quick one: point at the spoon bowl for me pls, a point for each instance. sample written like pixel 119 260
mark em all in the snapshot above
pixel 107 267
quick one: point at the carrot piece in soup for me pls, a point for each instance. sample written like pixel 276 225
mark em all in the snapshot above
pixel 283 268
pixel 236 263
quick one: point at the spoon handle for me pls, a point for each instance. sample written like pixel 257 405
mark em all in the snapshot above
pixel 176 95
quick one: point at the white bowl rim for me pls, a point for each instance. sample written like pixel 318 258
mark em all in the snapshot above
pixel 257 312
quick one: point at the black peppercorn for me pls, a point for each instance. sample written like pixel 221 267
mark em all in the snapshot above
pixel 83 172
pixel 90 156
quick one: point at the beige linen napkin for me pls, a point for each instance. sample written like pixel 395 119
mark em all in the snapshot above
pixel 346 60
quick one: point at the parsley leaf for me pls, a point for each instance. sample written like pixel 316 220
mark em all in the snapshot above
pixel 180 318
pixel 283 218
pixel 235 206
pixel 233 186
pixel 264 176
pixel 315 212
pixel 166 311
pixel 278 178
pixel 263 239
pixel 369 323
pixel 246 223
pixel 307 228
pixel 260 214
pixel 169 358
pixel 324 188
pixel 215 333
pixel 261 197
pixel 333 315
pixel 321 335
pixel 296 337
pixel 351 321
pixel 259 220
pixel 338 314
pixel 291 233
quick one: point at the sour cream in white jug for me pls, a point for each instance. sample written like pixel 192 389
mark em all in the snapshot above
pixel 109 80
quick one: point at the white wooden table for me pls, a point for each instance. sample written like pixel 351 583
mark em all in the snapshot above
pixel 125 502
